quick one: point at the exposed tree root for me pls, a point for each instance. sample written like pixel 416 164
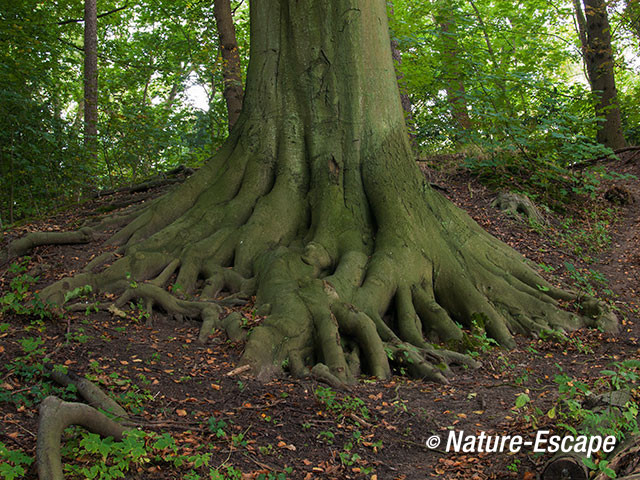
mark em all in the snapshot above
pixel 332 314
pixel 91 393
pixel 55 416
pixel 27 243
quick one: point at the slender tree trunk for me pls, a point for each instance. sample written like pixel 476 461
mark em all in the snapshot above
pixel 231 72
pixel 145 92
pixel 453 71
pixel 599 58
pixel 91 79
pixel 581 27
pixel 12 181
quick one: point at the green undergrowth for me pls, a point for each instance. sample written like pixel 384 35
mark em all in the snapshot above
pixel 351 410
pixel 13 463
pixel 19 299
pixel 606 405
pixel 90 456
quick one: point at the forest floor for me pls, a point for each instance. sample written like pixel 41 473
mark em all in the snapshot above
pixel 290 428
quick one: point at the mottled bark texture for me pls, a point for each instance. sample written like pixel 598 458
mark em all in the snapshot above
pixel 600 66
pixel 91 78
pixel 231 72
pixel 315 205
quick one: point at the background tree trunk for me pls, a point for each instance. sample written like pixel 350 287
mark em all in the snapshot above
pixel 454 75
pixel 581 27
pixel 231 72
pixel 91 79
pixel 599 58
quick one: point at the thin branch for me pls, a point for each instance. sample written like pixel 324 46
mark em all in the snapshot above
pixel 79 20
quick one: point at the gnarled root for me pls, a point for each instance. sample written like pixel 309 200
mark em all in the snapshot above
pixel 55 416
pixel 356 270
pixel 27 243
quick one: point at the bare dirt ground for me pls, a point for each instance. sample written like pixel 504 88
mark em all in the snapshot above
pixel 376 429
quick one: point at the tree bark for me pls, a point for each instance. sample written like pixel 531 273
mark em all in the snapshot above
pixel 91 79
pixel 231 72
pixel 316 205
pixel 599 58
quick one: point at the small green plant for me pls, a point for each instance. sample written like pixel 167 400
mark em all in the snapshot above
pixel 238 440
pixel 266 449
pixel 601 466
pixel 217 427
pixel 78 292
pixel 477 341
pixel 514 466
pixel 521 400
pixel 326 436
pixel 111 459
pixel 139 313
pixel 77 336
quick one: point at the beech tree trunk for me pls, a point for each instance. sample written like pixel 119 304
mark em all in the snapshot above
pixel 599 59
pixel 315 205
pixel 231 72
pixel 91 78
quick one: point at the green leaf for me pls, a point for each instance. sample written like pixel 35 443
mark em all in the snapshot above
pixel 522 400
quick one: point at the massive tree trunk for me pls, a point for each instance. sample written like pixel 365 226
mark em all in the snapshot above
pixel 91 78
pixel 315 204
pixel 599 59
pixel 231 72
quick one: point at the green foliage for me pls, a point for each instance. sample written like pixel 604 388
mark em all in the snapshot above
pixel 108 459
pixel 615 420
pixel 78 292
pixel 13 463
pixel 152 56
pixel 522 400
pixel 511 68
pixel 29 369
pixel 19 299
pixel 342 406
pixel 477 340
pixel 587 282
